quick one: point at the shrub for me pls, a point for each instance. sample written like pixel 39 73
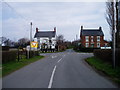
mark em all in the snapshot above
pixel 118 57
pixel 83 49
pixel 8 56
pixel 103 54
pixel 5 48
pixel 106 55
pixel 33 53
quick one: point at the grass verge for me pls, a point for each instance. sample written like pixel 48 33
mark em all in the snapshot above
pixel 106 68
pixel 10 67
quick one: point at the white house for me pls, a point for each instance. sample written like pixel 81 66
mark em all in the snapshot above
pixel 46 39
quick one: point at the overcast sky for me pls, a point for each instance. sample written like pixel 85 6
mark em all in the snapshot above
pixel 67 17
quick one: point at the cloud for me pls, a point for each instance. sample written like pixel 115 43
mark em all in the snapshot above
pixel 67 17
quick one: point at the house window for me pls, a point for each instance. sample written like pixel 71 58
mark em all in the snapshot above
pixel 98 44
pixel 87 38
pixel 91 38
pixel 98 38
pixel 92 44
pixel 87 45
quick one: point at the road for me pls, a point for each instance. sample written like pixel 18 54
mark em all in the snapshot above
pixel 58 70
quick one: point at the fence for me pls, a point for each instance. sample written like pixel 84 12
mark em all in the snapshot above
pixel 17 55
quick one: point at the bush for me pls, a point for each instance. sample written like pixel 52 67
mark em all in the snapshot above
pixel 103 54
pixel 8 56
pixel 5 48
pixel 106 55
pixel 83 49
pixel 33 53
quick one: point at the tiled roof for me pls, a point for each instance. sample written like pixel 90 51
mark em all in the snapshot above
pixel 91 32
pixel 49 34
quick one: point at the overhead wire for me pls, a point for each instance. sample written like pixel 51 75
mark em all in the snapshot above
pixel 26 20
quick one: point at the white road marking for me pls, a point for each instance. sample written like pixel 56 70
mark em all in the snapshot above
pixel 59 60
pixel 51 79
pixel 54 56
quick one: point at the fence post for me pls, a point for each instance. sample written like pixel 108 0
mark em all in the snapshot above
pixel 18 54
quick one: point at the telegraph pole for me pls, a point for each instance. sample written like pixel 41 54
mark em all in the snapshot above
pixel 113 33
pixel 30 34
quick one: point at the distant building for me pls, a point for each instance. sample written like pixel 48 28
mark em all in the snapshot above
pixel 46 39
pixel 93 38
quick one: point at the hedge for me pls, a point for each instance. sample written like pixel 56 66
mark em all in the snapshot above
pixel 8 56
pixel 5 48
pixel 33 53
pixel 106 55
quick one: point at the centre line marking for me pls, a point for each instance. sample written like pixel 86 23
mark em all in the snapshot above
pixel 51 79
pixel 59 60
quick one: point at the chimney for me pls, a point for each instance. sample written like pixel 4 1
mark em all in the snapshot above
pixel 36 30
pixel 100 28
pixel 81 27
pixel 54 29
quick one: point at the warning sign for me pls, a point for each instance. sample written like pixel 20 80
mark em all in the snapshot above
pixel 34 44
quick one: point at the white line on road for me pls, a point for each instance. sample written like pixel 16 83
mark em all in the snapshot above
pixel 54 56
pixel 51 79
pixel 59 60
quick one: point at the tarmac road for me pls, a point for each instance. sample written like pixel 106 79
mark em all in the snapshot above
pixel 58 70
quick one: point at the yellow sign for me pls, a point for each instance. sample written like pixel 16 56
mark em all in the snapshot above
pixel 34 44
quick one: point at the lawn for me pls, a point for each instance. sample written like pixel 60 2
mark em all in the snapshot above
pixel 105 67
pixel 10 67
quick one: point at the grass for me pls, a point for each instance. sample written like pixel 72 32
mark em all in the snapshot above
pixel 10 67
pixel 113 73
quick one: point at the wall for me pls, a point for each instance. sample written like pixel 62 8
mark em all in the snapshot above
pixel 83 41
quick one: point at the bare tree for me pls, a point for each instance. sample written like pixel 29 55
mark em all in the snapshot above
pixel 5 41
pixel 110 16
pixel 60 39
pixel 111 19
pixel 23 42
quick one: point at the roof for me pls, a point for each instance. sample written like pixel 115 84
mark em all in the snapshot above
pixel 49 34
pixel 91 32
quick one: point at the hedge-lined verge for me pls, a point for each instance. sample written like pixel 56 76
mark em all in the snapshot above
pixel 84 49
pixel 8 56
pixel 106 55
pixel 106 68
pixel 5 48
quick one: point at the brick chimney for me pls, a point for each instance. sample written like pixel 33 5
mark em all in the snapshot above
pixel 36 30
pixel 100 28
pixel 81 27
pixel 54 29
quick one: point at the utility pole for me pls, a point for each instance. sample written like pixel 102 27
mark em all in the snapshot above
pixel 76 37
pixel 113 33
pixel 30 34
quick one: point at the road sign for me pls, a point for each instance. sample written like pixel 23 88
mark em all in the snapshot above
pixel 34 44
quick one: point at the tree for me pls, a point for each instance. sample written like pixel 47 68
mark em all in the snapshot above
pixel 5 41
pixel 23 42
pixel 60 39
pixel 111 19
pixel 110 16
pixel 117 24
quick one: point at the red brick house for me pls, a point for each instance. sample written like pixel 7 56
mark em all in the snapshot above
pixel 92 38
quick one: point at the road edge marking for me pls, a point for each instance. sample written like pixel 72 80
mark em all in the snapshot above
pixel 51 79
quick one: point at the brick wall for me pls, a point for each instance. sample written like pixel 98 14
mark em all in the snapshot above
pixel 83 41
